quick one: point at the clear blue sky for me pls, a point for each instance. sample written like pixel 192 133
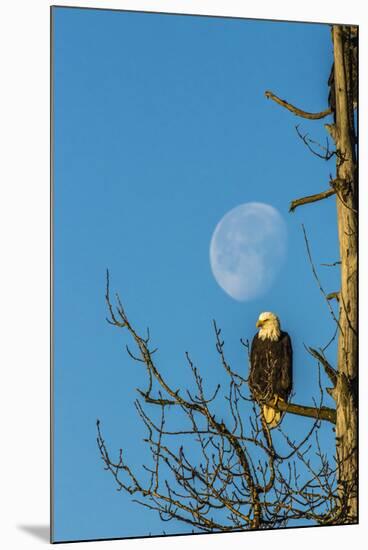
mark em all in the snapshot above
pixel 161 126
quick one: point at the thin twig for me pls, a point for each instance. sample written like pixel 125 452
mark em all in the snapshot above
pixel 307 141
pixel 318 280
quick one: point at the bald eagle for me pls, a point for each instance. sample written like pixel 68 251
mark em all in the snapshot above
pixel 271 356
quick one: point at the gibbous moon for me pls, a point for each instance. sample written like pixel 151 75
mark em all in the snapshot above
pixel 247 250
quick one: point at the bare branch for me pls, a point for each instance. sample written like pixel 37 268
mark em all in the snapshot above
pixel 333 296
pixel 334 264
pixel 311 198
pixel 295 110
pixel 327 155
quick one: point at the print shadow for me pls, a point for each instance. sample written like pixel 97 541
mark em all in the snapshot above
pixel 41 532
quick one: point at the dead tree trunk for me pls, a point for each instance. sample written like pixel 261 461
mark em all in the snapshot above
pixel 345 392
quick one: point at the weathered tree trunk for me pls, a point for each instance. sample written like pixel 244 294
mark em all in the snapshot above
pixel 345 393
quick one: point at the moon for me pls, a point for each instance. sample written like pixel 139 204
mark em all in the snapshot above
pixel 247 250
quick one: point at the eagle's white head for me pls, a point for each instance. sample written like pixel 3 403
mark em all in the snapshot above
pixel 269 326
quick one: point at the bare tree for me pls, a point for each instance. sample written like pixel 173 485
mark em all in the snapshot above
pixel 218 475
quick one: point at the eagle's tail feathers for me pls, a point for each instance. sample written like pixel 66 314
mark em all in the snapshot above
pixel 271 416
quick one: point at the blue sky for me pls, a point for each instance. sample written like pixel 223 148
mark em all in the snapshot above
pixel 161 127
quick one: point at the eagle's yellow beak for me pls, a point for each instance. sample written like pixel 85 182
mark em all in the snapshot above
pixel 259 323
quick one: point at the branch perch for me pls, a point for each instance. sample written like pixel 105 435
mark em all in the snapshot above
pixel 322 413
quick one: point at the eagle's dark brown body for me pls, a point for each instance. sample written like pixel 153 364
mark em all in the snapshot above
pixel 271 368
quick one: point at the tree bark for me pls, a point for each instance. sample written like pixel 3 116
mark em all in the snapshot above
pixel 345 392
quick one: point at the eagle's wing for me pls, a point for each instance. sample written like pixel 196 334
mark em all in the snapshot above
pixel 251 366
pixel 286 378
pixel 254 379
